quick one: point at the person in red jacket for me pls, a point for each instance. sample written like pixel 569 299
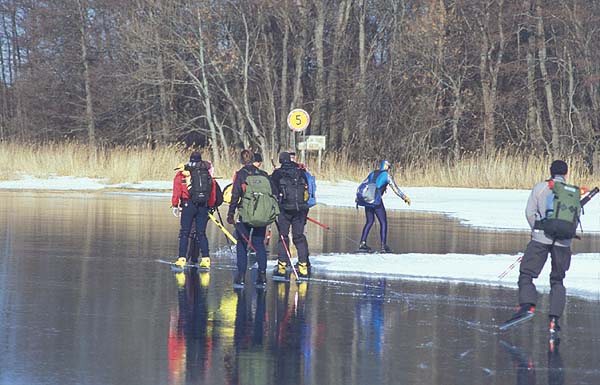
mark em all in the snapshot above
pixel 181 202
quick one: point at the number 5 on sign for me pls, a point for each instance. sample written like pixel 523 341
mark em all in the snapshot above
pixel 298 120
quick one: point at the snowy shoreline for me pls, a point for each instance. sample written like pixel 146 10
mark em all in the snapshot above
pixel 491 209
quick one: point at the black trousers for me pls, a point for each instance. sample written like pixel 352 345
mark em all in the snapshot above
pixel 297 220
pixel 533 261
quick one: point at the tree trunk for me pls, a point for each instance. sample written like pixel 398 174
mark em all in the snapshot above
pixel 362 77
pixel 163 95
pixel 334 126
pixel 206 94
pixel 534 123
pixel 297 96
pixel 489 69
pixel 89 105
pixel 555 142
pixel 284 131
pixel 318 110
pixel 4 115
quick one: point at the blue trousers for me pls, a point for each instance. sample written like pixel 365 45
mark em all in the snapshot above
pixel 190 212
pixel 242 232
pixel 371 213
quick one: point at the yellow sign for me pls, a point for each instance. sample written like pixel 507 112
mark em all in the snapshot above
pixel 298 120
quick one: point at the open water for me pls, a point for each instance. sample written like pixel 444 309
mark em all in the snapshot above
pixel 83 300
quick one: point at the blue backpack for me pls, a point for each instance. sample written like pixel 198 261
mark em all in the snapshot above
pixel 368 194
pixel 312 188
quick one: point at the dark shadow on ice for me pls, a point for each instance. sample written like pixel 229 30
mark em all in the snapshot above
pixel 525 366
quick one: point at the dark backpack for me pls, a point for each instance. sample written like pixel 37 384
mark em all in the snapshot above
pixel 368 194
pixel 562 213
pixel 258 206
pixel 200 187
pixel 293 192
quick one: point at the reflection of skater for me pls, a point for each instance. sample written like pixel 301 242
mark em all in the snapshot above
pixel 292 332
pixel 553 214
pixel 556 370
pixel 377 183
pixel 526 372
pixel 249 328
pixel 369 312
pixel 189 344
pixel 524 363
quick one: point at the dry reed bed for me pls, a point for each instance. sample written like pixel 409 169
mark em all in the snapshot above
pixel 135 164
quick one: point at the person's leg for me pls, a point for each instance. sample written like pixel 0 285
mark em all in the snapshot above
pixel 241 235
pixel 382 218
pixel 201 223
pixel 533 261
pixel 187 216
pixel 370 215
pixel 298 222
pixel 561 261
pixel 258 241
pixel 284 222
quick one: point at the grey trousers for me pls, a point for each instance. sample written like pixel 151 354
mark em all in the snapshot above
pixel 533 261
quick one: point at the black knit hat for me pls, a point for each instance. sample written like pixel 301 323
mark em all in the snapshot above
pixel 258 157
pixel 284 157
pixel 195 157
pixel 559 167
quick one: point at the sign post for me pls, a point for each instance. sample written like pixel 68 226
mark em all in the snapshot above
pixel 298 120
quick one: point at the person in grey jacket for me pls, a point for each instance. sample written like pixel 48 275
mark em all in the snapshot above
pixel 537 251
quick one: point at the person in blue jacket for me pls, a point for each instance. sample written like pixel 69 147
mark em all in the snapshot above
pixel 382 179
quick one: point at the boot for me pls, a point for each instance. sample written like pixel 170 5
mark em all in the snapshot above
pixel 363 247
pixel 181 262
pixel 239 279
pixel 523 310
pixel 280 270
pixel 385 249
pixel 204 263
pixel 302 270
pixel 261 278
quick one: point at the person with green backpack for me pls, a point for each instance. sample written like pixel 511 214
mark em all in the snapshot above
pixel 553 210
pixel 253 196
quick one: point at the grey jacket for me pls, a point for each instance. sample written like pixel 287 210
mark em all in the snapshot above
pixel 536 210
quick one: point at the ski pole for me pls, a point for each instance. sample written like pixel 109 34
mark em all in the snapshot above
pixel 512 266
pixel 318 223
pixel 246 239
pixel 223 229
pixel 249 243
pixel 226 237
pixel 287 250
pixel 330 229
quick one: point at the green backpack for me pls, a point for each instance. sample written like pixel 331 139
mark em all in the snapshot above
pixel 562 213
pixel 258 207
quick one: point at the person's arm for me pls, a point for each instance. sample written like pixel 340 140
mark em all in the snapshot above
pixel 274 179
pixel 531 209
pixel 396 189
pixel 236 191
pixel 175 198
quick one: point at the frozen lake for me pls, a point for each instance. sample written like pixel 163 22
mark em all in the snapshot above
pixel 83 301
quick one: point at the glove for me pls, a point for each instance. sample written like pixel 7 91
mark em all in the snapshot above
pixel 230 219
pixel 175 211
pixel 406 199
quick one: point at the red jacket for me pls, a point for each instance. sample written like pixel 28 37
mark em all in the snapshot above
pixel 180 190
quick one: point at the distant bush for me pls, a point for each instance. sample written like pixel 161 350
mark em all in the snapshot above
pixel 141 163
